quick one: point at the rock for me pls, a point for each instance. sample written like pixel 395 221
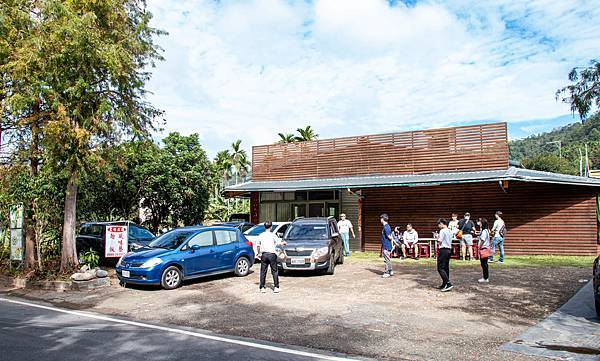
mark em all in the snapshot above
pixel 82 276
pixel 101 273
pixel 85 268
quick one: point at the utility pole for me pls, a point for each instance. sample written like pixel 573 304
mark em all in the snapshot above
pixel 559 143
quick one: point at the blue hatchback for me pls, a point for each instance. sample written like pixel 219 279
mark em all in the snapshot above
pixel 186 253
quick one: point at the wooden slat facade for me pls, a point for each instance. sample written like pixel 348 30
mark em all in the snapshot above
pixel 454 149
pixel 541 218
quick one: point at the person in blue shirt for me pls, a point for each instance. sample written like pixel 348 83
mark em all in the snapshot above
pixel 386 245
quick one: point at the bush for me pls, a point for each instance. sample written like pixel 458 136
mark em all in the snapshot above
pixel 90 258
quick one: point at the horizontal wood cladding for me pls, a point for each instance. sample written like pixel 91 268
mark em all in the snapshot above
pixel 466 148
pixel 541 218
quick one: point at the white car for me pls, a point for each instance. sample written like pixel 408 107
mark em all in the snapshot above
pixel 278 228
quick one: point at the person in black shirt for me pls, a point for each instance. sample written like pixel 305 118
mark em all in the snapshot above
pixel 467 227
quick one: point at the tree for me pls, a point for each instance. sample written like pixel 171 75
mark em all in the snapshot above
pixel 178 183
pixel 87 62
pixel 239 159
pixel 285 138
pixel 550 163
pixel 584 94
pixel 306 134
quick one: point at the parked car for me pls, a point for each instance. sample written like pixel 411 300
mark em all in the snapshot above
pixel 596 284
pixel 92 236
pixel 313 244
pixel 239 217
pixel 279 228
pixel 186 253
pixel 242 226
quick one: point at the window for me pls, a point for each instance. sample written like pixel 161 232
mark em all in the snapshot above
pixel 137 232
pixel 171 240
pixel 256 230
pixel 332 228
pixel 96 230
pixel 307 232
pixel 204 239
pixel 282 229
pixel 225 237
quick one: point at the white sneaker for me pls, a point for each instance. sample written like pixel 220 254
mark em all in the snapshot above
pixel 391 273
pixel 483 280
pixel 263 290
pixel 386 275
pixel 276 290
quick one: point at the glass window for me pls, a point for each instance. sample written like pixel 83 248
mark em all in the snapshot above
pixel 204 239
pixel 301 196
pixel 307 232
pixel 96 230
pixel 320 195
pixel 282 229
pixel 225 237
pixel 171 240
pixel 138 232
pixel 256 230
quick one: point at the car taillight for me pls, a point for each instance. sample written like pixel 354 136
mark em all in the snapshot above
pixel 249 243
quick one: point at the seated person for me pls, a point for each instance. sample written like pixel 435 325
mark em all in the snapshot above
pixel 397 240
pixel 411 240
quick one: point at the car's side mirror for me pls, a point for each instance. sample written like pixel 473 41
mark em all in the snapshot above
pixel 195 247
pixel 334 235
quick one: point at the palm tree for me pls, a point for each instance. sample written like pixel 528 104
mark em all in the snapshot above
pixel 306 134
pixel 239 159
pixel 286 138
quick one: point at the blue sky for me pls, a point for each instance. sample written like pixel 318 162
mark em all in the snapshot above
pixel 251 69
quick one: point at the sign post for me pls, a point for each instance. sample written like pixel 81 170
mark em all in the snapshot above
pixel 16 232
pixel 116 241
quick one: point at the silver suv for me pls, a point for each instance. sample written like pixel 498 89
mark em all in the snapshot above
pixel 312 244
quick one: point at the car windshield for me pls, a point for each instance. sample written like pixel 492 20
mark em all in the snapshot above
pixel 306 232
pixel 256 230
pixel 171 240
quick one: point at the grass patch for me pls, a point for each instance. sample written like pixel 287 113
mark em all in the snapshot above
pixel 510 261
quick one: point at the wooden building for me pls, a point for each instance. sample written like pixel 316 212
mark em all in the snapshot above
pixel 418 177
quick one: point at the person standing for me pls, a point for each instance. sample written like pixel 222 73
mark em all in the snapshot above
pixel 484 247
pixel 445 250
pixel 411 241
pixel 345 227
pixel 499 231
pixel 453 224
pixel 266 244
pixel 386 245
pixel 467 227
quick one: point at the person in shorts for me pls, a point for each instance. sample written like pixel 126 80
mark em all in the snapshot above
pixel 411 240
pixel 467 227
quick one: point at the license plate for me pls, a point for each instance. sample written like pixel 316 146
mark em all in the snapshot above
pixel 298 261
pixel 126 274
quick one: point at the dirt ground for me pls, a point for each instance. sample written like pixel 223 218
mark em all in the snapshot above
pixel 355 311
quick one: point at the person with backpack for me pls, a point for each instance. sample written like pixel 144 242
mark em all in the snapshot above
pixel 484 249
pixel 499 232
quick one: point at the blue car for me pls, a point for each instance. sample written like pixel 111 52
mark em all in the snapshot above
pixel 186 253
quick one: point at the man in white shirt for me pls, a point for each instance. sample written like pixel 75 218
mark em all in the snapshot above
pixel 498 230
pixel 411 240
pixel 345 227
pixel 266 244
pixel 444 252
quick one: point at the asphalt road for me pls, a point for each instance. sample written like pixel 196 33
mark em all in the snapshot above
pixel 41 332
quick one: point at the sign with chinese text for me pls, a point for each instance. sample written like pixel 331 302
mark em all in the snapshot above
pixel 116 241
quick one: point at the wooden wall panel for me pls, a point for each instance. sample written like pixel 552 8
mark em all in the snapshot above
pixel 466 148
pixel 541 218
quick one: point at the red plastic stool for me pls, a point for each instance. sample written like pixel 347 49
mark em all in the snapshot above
pixel 424 250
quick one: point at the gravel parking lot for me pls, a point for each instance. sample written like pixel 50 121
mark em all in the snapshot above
pixel 355 311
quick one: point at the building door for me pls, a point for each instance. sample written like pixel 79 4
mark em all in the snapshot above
pixel 316 209
pixel 299 210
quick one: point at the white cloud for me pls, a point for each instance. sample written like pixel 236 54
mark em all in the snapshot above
pixel 251 69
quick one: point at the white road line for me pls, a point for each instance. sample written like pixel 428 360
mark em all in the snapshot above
pixel 179 331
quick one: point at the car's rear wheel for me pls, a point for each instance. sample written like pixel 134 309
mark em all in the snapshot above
pixel 242 267
pixel 331 269
pixel 171 278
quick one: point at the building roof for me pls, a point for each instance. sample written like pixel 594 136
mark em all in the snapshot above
pixel 412 180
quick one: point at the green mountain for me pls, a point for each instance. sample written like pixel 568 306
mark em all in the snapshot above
pixel 541 151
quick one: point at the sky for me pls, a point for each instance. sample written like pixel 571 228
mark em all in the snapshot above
pixel 251 69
